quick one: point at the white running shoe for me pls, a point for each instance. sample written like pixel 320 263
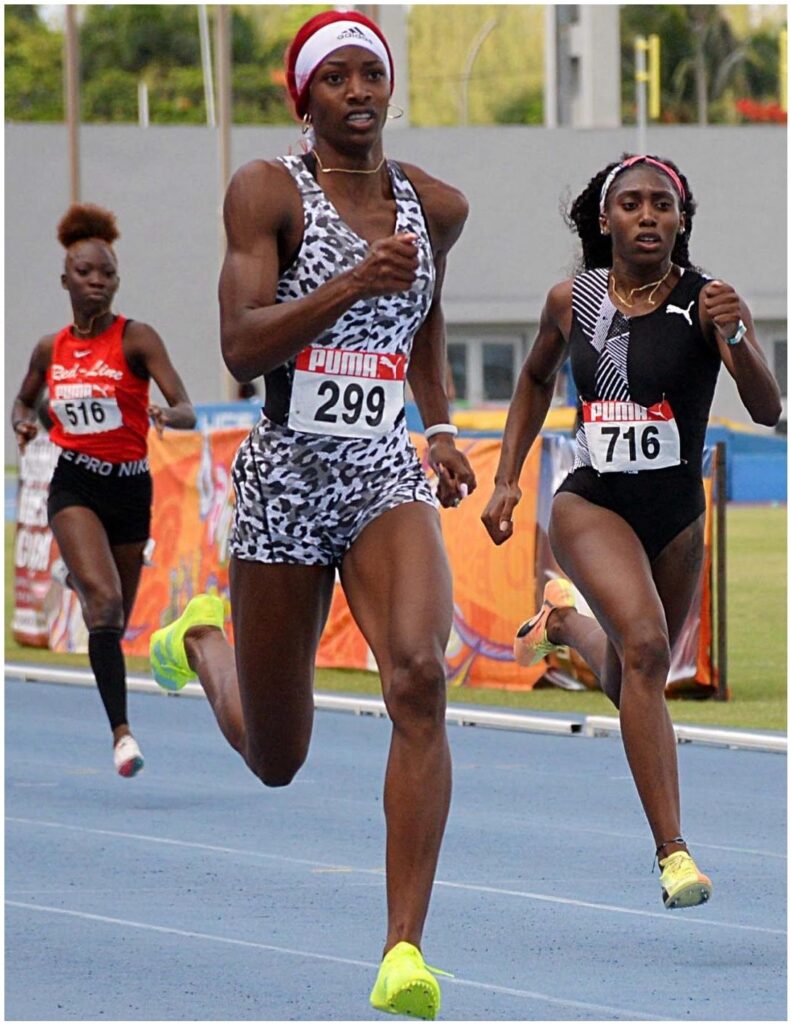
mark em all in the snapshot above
pixel 127 757
pixel 59 572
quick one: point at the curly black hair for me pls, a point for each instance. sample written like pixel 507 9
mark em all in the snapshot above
pixel 84 220
pixel 583 217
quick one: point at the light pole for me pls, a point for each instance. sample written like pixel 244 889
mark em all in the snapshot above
pixel 72 76
pixel 477 43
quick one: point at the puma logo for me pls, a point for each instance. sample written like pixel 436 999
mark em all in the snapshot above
pixel 686 313
pixel 390 364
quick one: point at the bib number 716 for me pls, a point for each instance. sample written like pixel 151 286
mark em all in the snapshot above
pixel 627 437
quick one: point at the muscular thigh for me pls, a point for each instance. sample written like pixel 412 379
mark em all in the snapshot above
pixel 398 584
pixel 605 560
pixel 85 548
pixel 677 574
pixel 278 614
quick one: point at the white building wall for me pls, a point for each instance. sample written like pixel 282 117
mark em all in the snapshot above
pixel 162 182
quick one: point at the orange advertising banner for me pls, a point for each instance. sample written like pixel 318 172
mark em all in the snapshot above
pixel 494 588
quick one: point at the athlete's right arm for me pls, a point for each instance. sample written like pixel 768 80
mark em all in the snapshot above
pixel 263 225
pixel 23 411
pixel 528 410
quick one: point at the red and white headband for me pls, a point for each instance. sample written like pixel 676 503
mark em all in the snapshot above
pixel 630 163
pixel 333 30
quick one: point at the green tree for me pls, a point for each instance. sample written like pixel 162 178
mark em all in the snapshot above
pixel 508 67
pixel 33 67
pixel 708 60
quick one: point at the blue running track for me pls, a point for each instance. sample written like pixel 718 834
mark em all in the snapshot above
pixel 193 893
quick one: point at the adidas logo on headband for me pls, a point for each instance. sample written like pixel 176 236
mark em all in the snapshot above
pixel 355 33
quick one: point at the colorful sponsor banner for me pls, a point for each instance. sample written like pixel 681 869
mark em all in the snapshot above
pixel 494 588
pixel 34 547
pixel 690 667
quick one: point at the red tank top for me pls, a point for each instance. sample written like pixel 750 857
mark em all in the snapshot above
pixel 98 405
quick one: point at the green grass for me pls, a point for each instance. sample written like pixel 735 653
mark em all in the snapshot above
pixel 757 641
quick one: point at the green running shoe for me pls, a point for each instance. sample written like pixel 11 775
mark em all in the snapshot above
pixel 406 985
pixel 169 664
pixel 682 884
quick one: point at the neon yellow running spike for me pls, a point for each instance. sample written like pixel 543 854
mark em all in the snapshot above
pixel 682 884
pixel 169 664
pixel 531 643
pixel 406 985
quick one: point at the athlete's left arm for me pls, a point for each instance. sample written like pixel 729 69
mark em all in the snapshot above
pixel 446 211
pixel 147 357
pixel 721 313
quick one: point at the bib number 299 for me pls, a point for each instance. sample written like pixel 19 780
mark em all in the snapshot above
pixel 350 404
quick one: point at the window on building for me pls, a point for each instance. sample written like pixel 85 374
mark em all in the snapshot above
pixel 498 371
pixel 780 360
pixel 457 361
pixel 781 365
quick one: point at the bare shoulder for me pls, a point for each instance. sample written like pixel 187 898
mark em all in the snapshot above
pixel 136 331
pixel 42 351
pixel 446 206
pixel 559 295
pixel 141 343
pixel 557 307
pixel 261 195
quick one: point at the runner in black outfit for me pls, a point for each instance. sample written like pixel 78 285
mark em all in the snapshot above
pixel 646 334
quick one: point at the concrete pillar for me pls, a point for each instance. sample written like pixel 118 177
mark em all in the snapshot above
pixel 392 20
pixel 582 66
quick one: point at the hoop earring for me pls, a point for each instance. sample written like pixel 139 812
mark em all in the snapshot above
pixel 394 106
pixel 307 123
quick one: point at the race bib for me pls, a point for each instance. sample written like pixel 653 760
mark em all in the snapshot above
pixel 81 410
pixel 346 394
pixel 626 437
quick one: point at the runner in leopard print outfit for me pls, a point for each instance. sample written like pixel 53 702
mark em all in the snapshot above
pixel 331 289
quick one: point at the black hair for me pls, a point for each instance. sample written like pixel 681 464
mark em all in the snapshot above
pixel 583 217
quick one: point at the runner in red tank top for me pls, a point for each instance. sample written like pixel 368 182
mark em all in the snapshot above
pixel 98 405
pixel 96 373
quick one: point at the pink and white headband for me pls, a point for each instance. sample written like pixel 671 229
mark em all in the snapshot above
pixel 630 163
pixel 332 37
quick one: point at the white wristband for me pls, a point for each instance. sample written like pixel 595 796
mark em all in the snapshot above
pixel 440 428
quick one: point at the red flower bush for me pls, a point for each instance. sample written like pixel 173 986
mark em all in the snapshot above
pixel 752 110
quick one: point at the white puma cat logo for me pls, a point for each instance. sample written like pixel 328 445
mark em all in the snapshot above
pixel 684 312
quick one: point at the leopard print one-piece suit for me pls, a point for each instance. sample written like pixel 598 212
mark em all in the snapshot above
pixel 331 451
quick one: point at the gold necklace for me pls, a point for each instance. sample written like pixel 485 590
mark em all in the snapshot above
pixel 654 285
pixel 89 328
pixel 345 170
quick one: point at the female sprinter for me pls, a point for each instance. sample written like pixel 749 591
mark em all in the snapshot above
pixel 646 334
pixel 331 289
pixel 97 373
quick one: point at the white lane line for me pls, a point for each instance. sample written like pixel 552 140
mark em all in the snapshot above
pixel 257 854
pixel 688 918
pixel 303 953
pixel 697 844
pixel 611 908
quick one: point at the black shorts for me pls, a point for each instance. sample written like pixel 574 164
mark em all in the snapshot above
pixel 658 504
pixel 119 493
